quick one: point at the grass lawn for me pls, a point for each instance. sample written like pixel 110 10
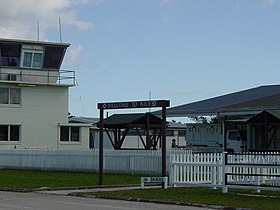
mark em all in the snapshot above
pixel 36 179
pixel 235 198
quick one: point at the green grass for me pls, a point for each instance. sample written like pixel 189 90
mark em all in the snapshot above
pixel 235 198
pixel 36 179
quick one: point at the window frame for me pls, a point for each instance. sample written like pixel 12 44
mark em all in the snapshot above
pixel 33 49
pixel 9 133
pixel 10 96
pixel 71 137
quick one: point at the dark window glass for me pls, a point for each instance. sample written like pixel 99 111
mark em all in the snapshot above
pixel 169 133
pixel 3 133
pixel 10 54
pixel 4 95
pixel 182 133
pixel 233 135
pixel 75 133
pixel 64 133
pixel 53 57
pixel 14 96
pixel 14 133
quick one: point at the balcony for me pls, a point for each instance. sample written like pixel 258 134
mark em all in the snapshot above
pixel 62 77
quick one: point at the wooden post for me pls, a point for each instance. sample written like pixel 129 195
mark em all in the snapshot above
pixel 163 149
pixel 101 156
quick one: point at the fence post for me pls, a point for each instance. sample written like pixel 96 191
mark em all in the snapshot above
pixel 171 171
pixel 224 177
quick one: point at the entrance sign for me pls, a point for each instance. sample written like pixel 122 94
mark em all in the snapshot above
pixel 132 105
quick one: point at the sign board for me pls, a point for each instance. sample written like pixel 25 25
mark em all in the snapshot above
pixel 154 180
pixel 134 104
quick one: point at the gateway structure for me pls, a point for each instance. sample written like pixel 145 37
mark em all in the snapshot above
pixel 34 97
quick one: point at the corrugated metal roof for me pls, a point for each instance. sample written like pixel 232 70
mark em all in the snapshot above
pixel 259 98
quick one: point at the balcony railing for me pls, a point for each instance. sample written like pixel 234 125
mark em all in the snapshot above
pixel 38 76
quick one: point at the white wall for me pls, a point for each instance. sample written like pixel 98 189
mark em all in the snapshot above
pixel 42 108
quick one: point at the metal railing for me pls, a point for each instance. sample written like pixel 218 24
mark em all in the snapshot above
pixel 38 76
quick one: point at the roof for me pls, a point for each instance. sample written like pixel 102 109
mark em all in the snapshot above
pixel 246 101
pixel 176 125
pixel 269 116
pixel 87 120
pixel 22 41
pixel 129 120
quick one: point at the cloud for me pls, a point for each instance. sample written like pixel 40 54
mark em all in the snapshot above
pixel 19 19
pixel 269 3
pixel 73 55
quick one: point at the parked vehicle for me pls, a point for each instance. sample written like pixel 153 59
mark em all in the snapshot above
pixel 211 136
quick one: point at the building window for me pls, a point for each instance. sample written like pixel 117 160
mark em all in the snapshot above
pixel 10 54
pixel 10 95
pixel 182 132
pixel 32 56
pixel 9 133
pixel 69 134
pixel 53 57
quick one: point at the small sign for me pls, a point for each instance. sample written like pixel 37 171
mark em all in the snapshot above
pixel 154 180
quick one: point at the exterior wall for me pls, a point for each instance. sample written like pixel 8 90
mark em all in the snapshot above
pixel 41 109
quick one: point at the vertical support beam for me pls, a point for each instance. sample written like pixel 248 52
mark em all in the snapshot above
pixel 224 130
pixel 163 148
pixel 148 142
pixel 101 156
pixel 265 132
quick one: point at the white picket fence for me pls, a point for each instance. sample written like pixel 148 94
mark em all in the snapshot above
pixel 199 169
pixel 251 170
pixel 115 161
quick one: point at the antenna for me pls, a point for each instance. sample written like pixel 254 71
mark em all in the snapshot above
pixel 59 24
pixel 38 31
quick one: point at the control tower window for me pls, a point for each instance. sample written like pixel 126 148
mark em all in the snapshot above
pixel 32 56
pixel 10 54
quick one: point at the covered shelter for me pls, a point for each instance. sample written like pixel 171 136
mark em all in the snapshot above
pixel 254 112
pixel 117 127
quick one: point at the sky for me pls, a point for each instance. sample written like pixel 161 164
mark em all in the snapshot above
pixel 134 50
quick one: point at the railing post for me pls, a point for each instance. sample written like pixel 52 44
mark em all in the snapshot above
pixel 224 180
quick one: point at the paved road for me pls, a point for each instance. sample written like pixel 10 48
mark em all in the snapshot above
pixel 32 201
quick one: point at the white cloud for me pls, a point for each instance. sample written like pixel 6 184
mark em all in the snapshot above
pixel 19 19
pixel 269 3
pixel 73 55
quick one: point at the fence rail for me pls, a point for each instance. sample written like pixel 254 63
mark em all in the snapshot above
pixel 255 170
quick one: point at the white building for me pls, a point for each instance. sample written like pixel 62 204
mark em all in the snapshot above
pixel 34 97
